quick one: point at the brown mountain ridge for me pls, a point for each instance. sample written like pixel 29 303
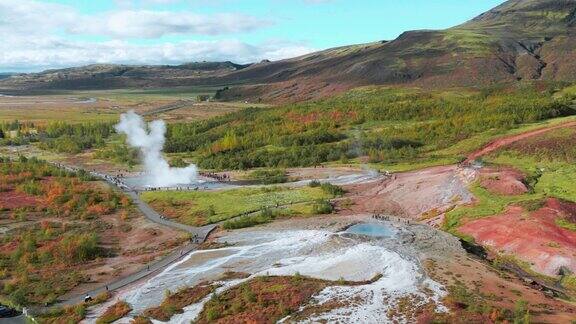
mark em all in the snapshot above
pixel 520 40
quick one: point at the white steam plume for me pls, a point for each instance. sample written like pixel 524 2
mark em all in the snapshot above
pixel 150 140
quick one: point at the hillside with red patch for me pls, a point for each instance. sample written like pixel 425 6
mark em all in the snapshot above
pixel 533 237
pixel 12 199
pixel 503 181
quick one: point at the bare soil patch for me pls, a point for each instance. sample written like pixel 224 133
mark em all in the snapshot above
pixel 503 181
pixel 15 199
pixel 533 237
pixel 412 194
pixel 496 289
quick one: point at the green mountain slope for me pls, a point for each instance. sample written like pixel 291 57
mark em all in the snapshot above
pixel 520 40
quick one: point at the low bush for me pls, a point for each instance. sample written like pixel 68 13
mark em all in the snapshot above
pixel 265 216
pixel 269 176
pixel 322 206
pixel 173 303
pixel 333 190
pixel 114 313
pixel 70 314
pixel 386 125
pixel 140 320
pixel 314 184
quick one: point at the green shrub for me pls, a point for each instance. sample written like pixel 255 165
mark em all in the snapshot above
pixel 322 206
pixel 178 162
pixel 269 176
pixel 314 184
pixel 212 314
pixel 333 190
pixel 565 223
pixel 521 312
pixel 119 153
pixel 31 187
pixel 388 125
pixel 74 138
pixel 265 216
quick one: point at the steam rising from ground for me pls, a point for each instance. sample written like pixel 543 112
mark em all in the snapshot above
pixel 150 140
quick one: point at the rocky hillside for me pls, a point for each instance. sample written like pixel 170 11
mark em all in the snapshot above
pixel 518 40
pixel 110 76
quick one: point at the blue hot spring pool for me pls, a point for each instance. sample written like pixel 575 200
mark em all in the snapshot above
pixel 371 229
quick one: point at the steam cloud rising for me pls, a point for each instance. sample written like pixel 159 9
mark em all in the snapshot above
pixel 150 140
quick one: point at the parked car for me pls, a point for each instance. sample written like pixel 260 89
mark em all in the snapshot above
pixel 6 311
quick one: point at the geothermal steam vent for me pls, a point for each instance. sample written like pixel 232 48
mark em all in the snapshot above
pixel 149 139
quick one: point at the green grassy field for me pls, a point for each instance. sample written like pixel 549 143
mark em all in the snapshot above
pixel 488 204
pixel 550 159
pixel 57 106
pixel 555 180
pixel 206 207
pixel 138 94
pixel 45 116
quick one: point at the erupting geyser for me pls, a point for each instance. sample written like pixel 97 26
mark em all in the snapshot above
pixel 150 140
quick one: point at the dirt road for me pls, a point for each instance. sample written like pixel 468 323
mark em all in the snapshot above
pixel 504 141
pixel 172 106
pixel 198 235
pixel 151 269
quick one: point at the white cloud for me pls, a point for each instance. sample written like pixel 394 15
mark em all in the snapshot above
pixel 154 24
pixel 26 17
pixel 23 17
pixel 38 35
pixel 43 53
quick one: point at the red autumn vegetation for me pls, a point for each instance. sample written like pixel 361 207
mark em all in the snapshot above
pixel 114 312
pixel 56 230
pixel 261 300
pixel 175 302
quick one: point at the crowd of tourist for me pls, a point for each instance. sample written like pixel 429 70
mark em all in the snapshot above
pixel 215 176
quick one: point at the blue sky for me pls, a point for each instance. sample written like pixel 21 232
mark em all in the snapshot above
pixel 77 32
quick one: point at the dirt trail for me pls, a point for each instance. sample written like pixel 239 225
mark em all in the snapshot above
pixel 199 234
pixel 169 107
pixel 504 141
